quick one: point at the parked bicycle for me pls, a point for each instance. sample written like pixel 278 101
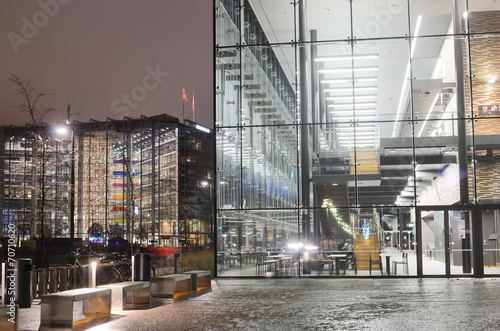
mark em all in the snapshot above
pixel 106 272
pixel 124 266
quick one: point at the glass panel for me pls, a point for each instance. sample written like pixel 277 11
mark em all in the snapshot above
pixel 434 17
pixel 257 243
pixel 487 160
pixel 485 87
pixel 368 243
pixel 443 162
pixel 228 168
pixel 227 22
pixel 268 87
pixel 327 234
pixel 438 79
pixel 381 72
pixel 399 249
pixel 377 19
pixel 340 241
pixel 331 20
pixel 383 167
pixel 483 16
pixel 277 16
pixel 461 257
pixel 270 167
pixel 491 248
pixel 433 242
pixel 227 91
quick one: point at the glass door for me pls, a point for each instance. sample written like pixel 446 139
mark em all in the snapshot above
pixel 490 228
pixel 446 241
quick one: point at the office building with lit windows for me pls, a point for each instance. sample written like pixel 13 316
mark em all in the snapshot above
pixel 146 180
pixel 357 138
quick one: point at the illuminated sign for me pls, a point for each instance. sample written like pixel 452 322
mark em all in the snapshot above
pixel 365 228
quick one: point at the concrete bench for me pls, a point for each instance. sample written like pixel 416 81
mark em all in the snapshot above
pixel 126 294
pixel 57 308
pixel 9 317
pixel 168 285
pixel 200 279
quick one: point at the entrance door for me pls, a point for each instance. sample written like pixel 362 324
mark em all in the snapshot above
pixel 490 230
pixel 446 241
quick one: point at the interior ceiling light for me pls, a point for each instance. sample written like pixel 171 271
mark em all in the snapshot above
pixel 363 117
pixel 492 79
pixel 351 89
pixel 347 111
pixel 356 97
pixel 417 30
pixel 350 134
pixel 346 57
pixel 348 80
pixel 351 105
pixel 356 69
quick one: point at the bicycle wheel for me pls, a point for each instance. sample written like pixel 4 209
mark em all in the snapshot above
pixel 125 271
pixel 75 277
pixel 107 275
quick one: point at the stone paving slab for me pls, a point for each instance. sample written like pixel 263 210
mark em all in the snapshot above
pixel 315 304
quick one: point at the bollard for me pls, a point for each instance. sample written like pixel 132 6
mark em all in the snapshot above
pixel 93 274
pixel 141 267
pixel 176 262
pixel 43 280
pixel 52 280
pixel 72 278
pixel 63 278
pixel 5 280
pixel 23 282
pixel 34 281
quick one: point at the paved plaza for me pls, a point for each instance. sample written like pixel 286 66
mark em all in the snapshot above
pixel 313 304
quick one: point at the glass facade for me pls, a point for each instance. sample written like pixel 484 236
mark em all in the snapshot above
pixel 356 137
pixel 146 180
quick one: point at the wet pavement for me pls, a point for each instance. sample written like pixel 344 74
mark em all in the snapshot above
pixel 313 304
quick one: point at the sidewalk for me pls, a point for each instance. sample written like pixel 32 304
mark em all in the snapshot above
pixel 314 304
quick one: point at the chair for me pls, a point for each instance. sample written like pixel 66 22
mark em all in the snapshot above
pixel 351 261
pixel 403 262
pixel 374 262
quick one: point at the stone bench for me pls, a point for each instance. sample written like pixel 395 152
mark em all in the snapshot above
pixel 57 308
pixel 168 285
pixel 126 294
pixel 200 279
pixel 9 317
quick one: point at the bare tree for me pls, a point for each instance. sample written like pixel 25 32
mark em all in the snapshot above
pixel 41 147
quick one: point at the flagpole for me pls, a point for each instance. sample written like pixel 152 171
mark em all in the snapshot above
pixel 183 100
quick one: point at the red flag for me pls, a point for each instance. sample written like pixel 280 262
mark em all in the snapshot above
pixel 184 95
pixel 193 102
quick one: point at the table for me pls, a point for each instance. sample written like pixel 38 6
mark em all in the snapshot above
pixel 337 258
pixel 266 265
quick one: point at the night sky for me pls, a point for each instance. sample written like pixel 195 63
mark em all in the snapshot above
pixel 109 58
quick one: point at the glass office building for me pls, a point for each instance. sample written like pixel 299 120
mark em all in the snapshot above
pixel 357 137
pixel 148 180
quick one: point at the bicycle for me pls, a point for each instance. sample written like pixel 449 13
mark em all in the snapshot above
pixel 78 278
pixel 106 272
pixel 124 266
